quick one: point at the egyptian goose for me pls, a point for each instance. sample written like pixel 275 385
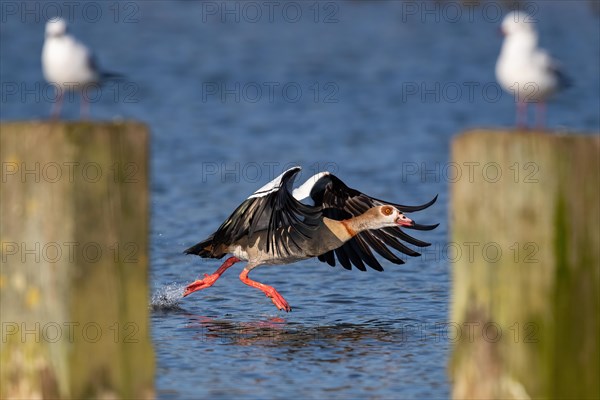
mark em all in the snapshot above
pixel 273 226
pixel 69 65
pixel 525 70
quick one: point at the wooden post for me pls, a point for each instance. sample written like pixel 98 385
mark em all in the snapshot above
pixel 74 253
pixel 525 217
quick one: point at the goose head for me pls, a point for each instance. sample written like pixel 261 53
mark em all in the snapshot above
pixel 387 216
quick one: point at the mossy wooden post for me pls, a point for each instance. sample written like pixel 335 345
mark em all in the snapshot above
pixel 525 217
pixel 74 252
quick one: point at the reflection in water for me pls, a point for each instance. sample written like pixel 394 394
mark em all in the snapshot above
pixel 276 331
pixel 277 355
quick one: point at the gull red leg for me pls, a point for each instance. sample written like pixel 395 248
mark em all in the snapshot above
pixel 57 106
pixel 540 115
pixel 209 280
pixel 270 291
pixel 84 110
pixel 521 115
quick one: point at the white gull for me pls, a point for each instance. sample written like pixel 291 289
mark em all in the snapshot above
pixel 524 69
pixel 69 65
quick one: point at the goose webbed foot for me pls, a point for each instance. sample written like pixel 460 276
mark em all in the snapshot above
pixel 277 299
pixel 200 284
pixel 269 291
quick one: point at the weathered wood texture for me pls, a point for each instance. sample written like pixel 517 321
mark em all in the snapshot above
pixel 74 249
pixel 525 288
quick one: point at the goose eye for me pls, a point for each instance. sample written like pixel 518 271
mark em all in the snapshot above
pixel 387 210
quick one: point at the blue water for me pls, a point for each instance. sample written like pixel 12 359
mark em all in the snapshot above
pixel 374 92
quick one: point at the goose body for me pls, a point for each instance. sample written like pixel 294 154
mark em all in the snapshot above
pixel 525 70
pixel 273 227
pixel 68 64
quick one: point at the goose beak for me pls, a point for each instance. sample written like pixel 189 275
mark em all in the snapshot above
pixel 403 220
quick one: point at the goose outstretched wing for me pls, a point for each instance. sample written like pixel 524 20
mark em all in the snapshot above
pixel 273 211
pixel 339 201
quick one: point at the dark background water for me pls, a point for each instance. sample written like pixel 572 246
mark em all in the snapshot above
pixel 372 91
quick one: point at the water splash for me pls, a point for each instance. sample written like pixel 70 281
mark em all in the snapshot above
pixel 167 297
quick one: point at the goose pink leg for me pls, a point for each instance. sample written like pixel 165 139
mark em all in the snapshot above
pixel 270 291
pixel 209 280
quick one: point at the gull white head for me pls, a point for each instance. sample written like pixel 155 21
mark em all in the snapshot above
pixel 56 27
pixel 517 22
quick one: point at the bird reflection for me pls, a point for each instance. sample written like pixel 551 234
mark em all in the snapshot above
pixel 279 331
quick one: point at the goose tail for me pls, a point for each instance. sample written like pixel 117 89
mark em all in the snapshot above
pixel 203 249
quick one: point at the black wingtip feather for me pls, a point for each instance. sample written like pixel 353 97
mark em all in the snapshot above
pixel 404 208
pixel 419 227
